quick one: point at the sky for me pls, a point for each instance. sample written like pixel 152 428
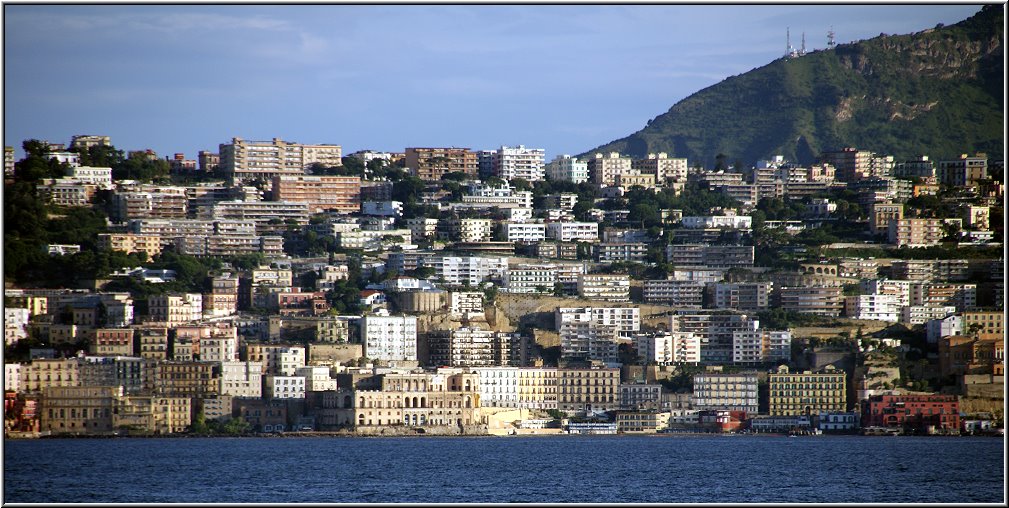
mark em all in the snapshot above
pixel 565 78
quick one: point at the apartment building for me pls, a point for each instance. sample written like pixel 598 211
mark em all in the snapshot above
pixel 529 278
pixel 162 203
pixel 761 346
pixel 715 331
pixel 422 228
pixel 283 387
pixel 124 371
pixel 282 359
pixel 613 288
pixel 262 212
pixel 432 164
pixel 822 301
pixel 112 342
pixel 152 341
pixel 711 256
pixel 882 214
pixel 878 307
pixel 608 252
pixel 241 379
pixel 175 309
pixel 321 193
pixel 525 232
pixel 924 412
pixel 668 348
pixel 728 221
pixel 915 232
pixel 471 270
pixel 41 374
pixel 742 296
pixel 603 169
pixel 518 162
pixel 158 415
pixel 185 378
pixel 78 409
pixel 663 167
pixel 130 243
pixel 471 347
pixel 573 231
pixel 244 161
pixel 567 168
pixel 389 338
pixel 938 294
pixel 465 230
pixel 806 393
pixel 588 389
pixel 964 171
pixel 722 391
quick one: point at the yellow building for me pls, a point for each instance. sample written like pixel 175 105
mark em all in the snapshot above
pixel 131 242
pixel 643 421
pixel 807 393
pixel 415 399
pixel 78 409
pixel 991 322
pixel 588 389
pixel 159 415
pixel 537 388
pixel 42 374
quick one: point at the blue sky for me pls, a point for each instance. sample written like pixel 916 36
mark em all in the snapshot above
pixel 566 78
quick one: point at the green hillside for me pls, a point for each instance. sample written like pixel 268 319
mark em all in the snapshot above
pixel 937 92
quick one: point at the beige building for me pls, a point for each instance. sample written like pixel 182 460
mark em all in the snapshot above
pixel 405 399
pixel 882 213
pixel 603 169
pixel 915 232
pixel 130 243
pixel 434 163
pixel 78 410
pixel 113 342
pixel 663 167
pixel 588 389
pixel 322 193
pixel 158 415
pixel 186 379
pixel 175 309
pixel 42 374
pixel 643 422
pixel 245 161
pixel 822 301
pixel 806 393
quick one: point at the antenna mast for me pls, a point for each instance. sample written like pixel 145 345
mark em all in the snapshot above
pixel 830 38
pixel 803 50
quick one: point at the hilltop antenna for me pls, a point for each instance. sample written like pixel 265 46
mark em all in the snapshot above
pixel 830 38
pixel 788 42
pixel 803 50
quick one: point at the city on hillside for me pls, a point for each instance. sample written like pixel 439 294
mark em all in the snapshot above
pixel 278 287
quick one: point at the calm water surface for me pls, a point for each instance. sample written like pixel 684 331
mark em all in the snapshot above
pixel 653 469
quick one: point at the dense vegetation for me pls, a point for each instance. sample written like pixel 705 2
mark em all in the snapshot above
pixel 936 92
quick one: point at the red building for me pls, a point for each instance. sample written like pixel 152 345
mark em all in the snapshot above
pixel 924 413
pixel 20 413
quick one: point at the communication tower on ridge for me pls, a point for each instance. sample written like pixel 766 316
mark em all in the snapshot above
pixel 802 51
pixel 830 38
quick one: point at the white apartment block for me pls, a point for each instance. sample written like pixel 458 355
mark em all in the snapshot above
pixel 242 379
pixel 568 168
pixel 283 360
pixel 573 231
pixel 717 221
pixel 100 177
pixel 901 289
pixel 499 386
pixel 938 328
pixel 517 214
pixel 525 232
pixel 912 315
pixel 761 346
pixel 268 276
pixel 382 208
pixel 222 346
pixel 464 303
pixel 389 338
pixel 261 211
pixel 245 161
pixel 529 278
pixel 317 379
pixel 879 307
pixel 613 288
pixel 668 348
pixel 175 309
pixel 472 270
pixel 627 320
pixel 373 240
pixel 518 162
pixel 422 228
pixel 698 274
pixel 15 324
pixel 12 377
pixel 470 230
pixel 284 387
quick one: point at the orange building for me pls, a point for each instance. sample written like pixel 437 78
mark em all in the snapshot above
pixel 959 355
pixel 433 163
pixel 322 193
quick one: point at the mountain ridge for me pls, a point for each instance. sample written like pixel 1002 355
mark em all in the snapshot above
pixel 936 92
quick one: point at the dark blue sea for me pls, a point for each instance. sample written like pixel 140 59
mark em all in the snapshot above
pixel 575 469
